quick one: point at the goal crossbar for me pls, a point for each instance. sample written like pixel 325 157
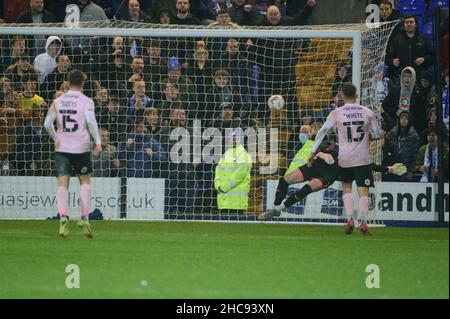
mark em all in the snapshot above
pixel 118 28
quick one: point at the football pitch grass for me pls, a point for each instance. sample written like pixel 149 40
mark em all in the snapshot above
pixel 220 260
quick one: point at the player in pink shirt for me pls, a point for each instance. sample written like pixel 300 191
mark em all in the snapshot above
pixel 354 123
pixel 75 122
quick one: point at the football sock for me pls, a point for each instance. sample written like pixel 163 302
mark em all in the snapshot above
pixel 62 197
pixel 298 195
pixel 364 208
pixel 348 205
pixel 281 191
pixel 85 200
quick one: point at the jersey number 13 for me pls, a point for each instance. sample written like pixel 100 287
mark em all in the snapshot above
pixel 359 129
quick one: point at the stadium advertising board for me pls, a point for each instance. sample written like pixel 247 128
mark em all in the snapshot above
pixel 145 198
pixel 34 197
pixel 408 202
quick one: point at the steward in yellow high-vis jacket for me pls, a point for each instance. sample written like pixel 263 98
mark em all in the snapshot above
pixel 232 178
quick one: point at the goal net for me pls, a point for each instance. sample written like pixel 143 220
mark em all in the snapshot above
pixel 167 99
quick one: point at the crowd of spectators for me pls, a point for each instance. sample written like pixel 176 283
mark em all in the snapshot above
pixel 145 88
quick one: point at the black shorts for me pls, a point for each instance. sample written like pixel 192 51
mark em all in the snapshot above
pixel 362 174
pixel 327 174
pixel 67 164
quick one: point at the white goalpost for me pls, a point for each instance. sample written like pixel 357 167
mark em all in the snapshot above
pixel 161 147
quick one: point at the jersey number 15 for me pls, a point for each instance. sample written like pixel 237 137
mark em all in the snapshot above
pixel 66 119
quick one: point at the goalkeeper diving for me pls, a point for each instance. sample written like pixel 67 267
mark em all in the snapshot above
pixel 320 174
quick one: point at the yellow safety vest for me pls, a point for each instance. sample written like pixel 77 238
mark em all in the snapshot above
pixel 232 179
pixel 301 157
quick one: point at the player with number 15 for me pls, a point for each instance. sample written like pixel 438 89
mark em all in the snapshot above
pixel 75 120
